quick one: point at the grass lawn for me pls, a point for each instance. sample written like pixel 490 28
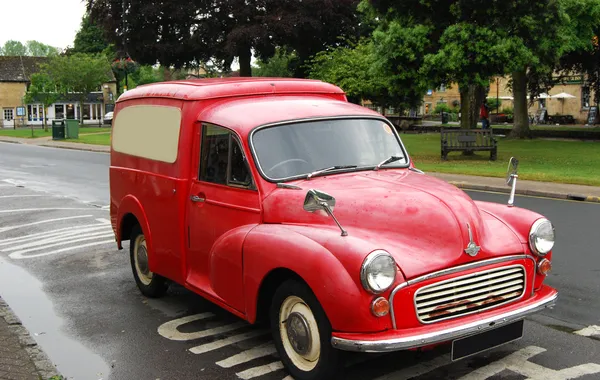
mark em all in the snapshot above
pixel 97 139
pixel 39 132
pixel 540 127
pixel 576 162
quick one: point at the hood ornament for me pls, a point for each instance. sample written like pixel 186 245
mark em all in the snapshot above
pixel 472 249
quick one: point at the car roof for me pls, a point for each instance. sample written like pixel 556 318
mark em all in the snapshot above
pixel 245 114
pixel 202 89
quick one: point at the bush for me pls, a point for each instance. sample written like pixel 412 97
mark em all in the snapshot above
pixel 507 110
pixel 441 107
pixel 494 104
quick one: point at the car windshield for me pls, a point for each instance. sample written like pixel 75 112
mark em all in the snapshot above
pixel 296 150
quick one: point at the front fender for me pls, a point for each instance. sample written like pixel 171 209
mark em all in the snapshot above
pixel 269 247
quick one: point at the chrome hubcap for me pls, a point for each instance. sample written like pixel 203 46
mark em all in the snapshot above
pixel 141 261
pixel 298 332
pixel 142 257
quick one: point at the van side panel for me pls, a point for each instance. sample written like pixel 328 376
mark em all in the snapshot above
pixel 158 186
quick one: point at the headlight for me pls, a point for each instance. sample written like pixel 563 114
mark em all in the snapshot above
pixel 378 272
pixel 541 237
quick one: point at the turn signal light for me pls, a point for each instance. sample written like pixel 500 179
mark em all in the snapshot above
pixel 544 267
pixel 380 307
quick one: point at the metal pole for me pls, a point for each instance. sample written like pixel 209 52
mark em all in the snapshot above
pixel 497 96
pixel 511 200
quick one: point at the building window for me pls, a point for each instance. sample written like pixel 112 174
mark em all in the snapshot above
pixel 585 97
pixel 59 111
pixel 442 88
pixel 9 114
pixel 86 111
pixel 35 112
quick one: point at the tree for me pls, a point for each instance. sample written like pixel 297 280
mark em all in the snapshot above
pixel 90 38
pixel 14 48
pixel 276 66
pixel 38 49
pixel 42 90
pixel 353 69
pixel 78 73
pixel 178 33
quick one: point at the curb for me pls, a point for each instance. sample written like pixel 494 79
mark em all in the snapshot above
pixel 531 193
pixel 84 149
pixel 42 363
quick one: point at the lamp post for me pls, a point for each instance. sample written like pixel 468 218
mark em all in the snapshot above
pixel 497 96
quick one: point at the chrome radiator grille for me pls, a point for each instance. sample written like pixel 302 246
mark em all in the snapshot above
pixel 469 294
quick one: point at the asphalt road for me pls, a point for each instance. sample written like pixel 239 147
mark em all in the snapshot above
pixel 62 275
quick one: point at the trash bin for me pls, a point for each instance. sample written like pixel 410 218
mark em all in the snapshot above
pixel 445 117
pixel 72 129
pixel 58 129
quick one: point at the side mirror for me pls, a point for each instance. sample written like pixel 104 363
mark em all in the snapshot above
pixel 513 169
pixel 317 200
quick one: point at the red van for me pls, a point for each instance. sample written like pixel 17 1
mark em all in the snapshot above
pixel 279 200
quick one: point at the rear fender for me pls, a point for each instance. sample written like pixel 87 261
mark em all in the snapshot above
pixel 131 205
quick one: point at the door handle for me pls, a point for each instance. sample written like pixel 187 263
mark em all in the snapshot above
pixel 197 199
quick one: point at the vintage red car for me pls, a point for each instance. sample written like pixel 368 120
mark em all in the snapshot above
pixel 279 200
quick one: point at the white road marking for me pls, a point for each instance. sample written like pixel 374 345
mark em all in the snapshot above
pixel 260 371
pixel 51 233
pixel 226 342
pixel 248 355
pixel 96 237
pixel 169 330
pixel 4 229
pixel 63 239
pixel 102 220
pixel 288 378
pixel 45 209
pixel 418 369
pixel 589 331
pixel 21 196
pixel 519 362
pixel 19 256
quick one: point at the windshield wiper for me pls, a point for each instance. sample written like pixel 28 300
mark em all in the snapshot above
pixel 339 167
pixel 389 161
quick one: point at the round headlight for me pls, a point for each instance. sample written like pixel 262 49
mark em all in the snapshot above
pixel 378 272
pixel 541 237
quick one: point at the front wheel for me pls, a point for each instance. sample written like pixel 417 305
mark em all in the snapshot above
pixel 150 284
pixel 302 334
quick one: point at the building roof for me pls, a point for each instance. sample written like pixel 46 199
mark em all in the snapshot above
pixel 19 68
pixel 202 89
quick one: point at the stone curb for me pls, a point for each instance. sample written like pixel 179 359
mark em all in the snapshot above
pixel 42 363
pixel 92 148
pixel 532 193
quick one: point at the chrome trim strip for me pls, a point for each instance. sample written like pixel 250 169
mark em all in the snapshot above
pixel 464 277
pixel 305 120
pixel 420 340
pixel 457 269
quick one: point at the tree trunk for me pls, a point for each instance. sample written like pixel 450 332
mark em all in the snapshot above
pixel 245 56
pixel 521 117
pixel 471 98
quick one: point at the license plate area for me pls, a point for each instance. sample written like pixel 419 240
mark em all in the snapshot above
pixel 474 344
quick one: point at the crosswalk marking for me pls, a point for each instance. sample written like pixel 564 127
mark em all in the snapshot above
pixel 62 238
pixel 43 209
pixel 10 228
pixel 248 355
pixel 20 196
pixel 51 233
pixel 21 256
pixel 226 342
pixel 260 371
pixel 589 331
pixel 100 235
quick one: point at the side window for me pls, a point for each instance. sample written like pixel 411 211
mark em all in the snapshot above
pixel 222 159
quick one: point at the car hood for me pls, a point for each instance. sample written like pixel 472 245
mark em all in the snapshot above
pixel 422 221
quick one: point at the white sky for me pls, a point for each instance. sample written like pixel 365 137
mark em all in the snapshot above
pixel 53 22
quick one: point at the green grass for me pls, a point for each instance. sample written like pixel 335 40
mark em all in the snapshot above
pixel 539 128
pixel 39 132
pixel 576 162
pixel 96 139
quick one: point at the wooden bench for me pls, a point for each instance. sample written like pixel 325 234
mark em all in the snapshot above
pixel 468 140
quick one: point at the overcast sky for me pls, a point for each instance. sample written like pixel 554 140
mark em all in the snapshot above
pixel 53 22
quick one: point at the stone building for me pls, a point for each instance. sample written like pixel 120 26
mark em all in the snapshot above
pixel 15 74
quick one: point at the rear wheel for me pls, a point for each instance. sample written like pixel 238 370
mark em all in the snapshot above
pixel 302 334
pixel 150 284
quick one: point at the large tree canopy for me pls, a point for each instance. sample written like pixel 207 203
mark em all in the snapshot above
pixel 194 31
pixel 30 48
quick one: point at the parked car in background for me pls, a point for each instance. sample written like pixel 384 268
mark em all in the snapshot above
pixel 108 118
pixel 280 201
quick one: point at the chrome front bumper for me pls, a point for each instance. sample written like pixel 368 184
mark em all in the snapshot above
pixel 443 335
